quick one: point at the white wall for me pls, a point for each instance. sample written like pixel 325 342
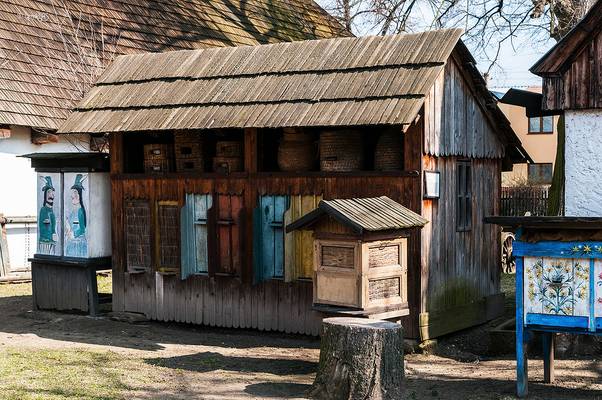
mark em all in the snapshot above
pixel 18 186
pixel 583 158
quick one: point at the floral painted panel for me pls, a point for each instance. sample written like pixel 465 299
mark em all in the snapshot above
pixel 556 286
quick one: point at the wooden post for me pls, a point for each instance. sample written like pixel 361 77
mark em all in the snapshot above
pixel 549 344
pixel 521 334
pixel 92 292
pixel 251 155
pixel 4 260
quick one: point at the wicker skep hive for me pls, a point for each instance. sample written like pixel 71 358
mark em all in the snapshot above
pixel 388 155
pixel 341 151
pixel 296 151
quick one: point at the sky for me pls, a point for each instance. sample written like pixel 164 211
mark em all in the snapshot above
pixel 515 64
pixel 514 61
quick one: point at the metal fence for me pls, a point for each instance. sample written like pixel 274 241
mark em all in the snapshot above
pixel 516 201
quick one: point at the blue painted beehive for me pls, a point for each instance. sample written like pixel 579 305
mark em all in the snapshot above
pixel 558 282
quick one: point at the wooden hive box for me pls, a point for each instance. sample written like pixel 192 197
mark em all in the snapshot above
pixel 361 252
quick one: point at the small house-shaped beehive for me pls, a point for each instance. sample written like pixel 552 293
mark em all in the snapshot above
pixel 361 252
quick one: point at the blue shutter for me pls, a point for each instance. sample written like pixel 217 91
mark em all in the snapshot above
pixel 269 231
pixel 194 234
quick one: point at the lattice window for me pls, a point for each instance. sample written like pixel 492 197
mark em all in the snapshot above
pixel 138 235
pixel 168 236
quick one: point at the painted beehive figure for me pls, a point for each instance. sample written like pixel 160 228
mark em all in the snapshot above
pixel 360 252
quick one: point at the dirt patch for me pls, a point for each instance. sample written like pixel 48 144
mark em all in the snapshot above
pixel 117 360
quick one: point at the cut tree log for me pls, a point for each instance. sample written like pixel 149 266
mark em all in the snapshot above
pixel 360 359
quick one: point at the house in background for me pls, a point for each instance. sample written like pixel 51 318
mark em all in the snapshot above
pixel 538 134
pixel 52 51
pixel 572 85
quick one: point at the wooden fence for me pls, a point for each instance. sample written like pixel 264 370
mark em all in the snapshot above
pixel 516 201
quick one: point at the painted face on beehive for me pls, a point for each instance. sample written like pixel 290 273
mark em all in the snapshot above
pixel 49 197
pixel 74 197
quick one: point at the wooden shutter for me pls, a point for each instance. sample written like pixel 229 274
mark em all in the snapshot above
pixel 194 247
pixel 138 235
pixel 271 261
pixel 299 245
pixel 168 236
pixel 227 226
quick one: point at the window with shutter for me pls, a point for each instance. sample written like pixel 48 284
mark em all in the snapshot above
pixel 194 223
pixel 464 196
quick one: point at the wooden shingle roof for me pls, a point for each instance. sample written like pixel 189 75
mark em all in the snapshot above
pixel 368 214
pixel 334 82
pixel 49 48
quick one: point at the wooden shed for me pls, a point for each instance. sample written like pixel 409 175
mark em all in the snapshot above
pixel 406 116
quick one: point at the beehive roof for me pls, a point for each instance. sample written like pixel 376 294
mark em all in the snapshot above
pixel 363 214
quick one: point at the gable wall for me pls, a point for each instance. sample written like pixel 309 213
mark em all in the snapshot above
pixel 455 123
pixel 580 86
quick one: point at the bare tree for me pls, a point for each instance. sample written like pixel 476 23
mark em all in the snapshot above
pixel 488 24
pixel 86 49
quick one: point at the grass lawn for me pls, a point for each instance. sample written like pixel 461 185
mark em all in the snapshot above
pixel 67 374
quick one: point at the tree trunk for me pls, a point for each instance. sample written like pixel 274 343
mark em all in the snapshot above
pixel 360 359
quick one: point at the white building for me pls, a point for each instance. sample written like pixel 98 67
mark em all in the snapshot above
pixel 572 86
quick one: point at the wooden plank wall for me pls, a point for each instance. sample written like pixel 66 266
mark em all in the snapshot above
pixel 580 86
pixel 460 268
pixel 233 301
pixel 456 124
pixel 59 288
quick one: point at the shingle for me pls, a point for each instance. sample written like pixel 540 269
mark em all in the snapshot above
pixel 352 88
pixel 40 66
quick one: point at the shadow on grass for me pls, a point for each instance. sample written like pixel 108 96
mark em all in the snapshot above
pixel 211 361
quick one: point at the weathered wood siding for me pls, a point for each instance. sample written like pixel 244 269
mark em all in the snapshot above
pixel 62 288
pixel 456 124
pixel 233 300
pixel 580 85
pixel 460 268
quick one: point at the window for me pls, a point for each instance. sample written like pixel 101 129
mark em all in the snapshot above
pixel 541 125
pixel 540 174
pixel 195 250
pixel 138 235
pixel 168 246
pixel 464 195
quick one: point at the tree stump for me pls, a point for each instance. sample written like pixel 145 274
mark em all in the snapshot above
pixel 360 359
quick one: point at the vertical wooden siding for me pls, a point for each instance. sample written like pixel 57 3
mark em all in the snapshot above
pixel 226 301
pixel 463 266
pixel 580 86
pixel 455 123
